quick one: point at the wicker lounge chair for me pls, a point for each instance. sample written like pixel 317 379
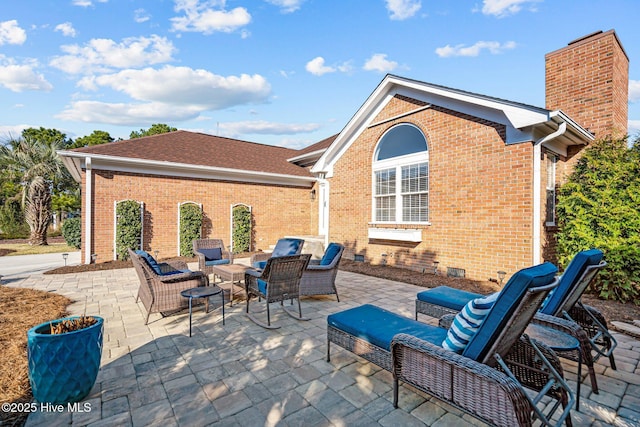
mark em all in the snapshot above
pixel 161 283
pixel 319 278
pixel 279 281
pixel 487 379
pixel 284 247
pixel 211 252
pixel 562 311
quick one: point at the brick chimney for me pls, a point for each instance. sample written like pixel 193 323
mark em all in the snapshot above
pixel 589 80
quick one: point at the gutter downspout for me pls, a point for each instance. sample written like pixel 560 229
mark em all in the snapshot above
pixel 88 209
pixel 537 180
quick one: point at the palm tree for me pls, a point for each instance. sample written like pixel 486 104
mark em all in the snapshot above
pixel 36 165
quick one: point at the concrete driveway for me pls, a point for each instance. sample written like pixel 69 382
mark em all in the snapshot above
pixel 20 266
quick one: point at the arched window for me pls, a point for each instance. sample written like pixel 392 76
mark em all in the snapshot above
pixel 401 176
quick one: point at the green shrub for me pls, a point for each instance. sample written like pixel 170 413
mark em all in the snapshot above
pixel 599 207
pixel 241 229
pixel 12 223
pixel 128 228
pixel 71 231
pixel 190 227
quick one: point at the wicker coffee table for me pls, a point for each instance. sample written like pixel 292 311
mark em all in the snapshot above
pixel 233 273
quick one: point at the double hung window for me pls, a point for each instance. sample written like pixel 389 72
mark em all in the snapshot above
pixel 401 177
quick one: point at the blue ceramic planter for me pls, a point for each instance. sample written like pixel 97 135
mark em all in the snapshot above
pixel 64 367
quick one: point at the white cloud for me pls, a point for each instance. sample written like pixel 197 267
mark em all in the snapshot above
pixel 86 3
pixel 503 8
pixel 403 9
pixel 379 62
pixel 287 6
pixel 21 77
pixel 126 114
pixel 141 15
pixel 186 86
pixel 103 55
pixel 634 90
pixel 66 29
pixel 462 50
pixel 11 33
pixel 634 128
pixel 208 17
pixel 316 67
pixel 12 131
pixel 263 127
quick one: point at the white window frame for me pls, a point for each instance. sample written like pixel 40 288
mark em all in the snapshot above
pixel 397 163
pixel 551 163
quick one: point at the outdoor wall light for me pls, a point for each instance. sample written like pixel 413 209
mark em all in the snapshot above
pixel 312 194
pixel 501 276
pixel 156 252
pixel 64 257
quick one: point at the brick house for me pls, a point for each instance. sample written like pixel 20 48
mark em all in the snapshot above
pixel 421 172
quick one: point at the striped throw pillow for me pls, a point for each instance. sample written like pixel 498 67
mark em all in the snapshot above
pixel 466 323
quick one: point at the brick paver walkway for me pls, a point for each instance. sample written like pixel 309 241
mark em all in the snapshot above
pixel 243 375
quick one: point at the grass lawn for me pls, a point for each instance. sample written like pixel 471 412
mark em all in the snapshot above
pixel 11 249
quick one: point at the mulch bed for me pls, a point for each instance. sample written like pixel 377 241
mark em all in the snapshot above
pixel 20 310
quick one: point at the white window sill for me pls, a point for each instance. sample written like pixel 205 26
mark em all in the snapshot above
pixel 399 234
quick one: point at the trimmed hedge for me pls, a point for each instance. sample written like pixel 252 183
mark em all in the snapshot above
pixel 190 227
pixel 71 231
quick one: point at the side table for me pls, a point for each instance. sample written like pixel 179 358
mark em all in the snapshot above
pixel 558 341
pixel 202 292
pixel 233 273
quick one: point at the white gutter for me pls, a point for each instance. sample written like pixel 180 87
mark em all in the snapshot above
pixel 537 181
pixel 88 209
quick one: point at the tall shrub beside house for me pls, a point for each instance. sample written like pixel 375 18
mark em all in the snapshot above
pixel 599 207
pixel 128 227
pixel 71 231
pixel 241 229
pixel 190 227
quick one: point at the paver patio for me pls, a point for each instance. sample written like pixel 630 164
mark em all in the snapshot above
pixel 243 375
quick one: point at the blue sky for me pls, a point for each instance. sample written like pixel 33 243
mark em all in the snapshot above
pixel 283 72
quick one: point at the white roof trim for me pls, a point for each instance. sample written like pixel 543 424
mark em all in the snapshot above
pixel 75 162
pixel 310 155
pixel 524 123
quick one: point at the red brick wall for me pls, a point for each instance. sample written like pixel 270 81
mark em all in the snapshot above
pixel 589 80
pixel 277 210
pixel 480 200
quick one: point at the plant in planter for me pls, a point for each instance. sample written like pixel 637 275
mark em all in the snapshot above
pixel 64 358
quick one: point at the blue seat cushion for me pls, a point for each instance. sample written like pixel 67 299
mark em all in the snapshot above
pixel 378 326
pixel 332 250
pixel 212 254
pixel 444 296
pixel 569 279
pixel 262 286
pixel 260 265
pixel 505 305
pixel 169 273
pixel 217 262
pixel 150 261
pixel 286 247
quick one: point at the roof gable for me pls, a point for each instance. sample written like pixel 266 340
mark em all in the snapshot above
pixel 523 123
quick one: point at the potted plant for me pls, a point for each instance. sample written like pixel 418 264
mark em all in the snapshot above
pixel 64 358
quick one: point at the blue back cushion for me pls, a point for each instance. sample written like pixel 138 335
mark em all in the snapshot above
pixel 151 261
pixel 286 247
pixel 332 250
pixel 569 279
pixel 378 326
pixel 505 305
pixel 213 254
pixel 260 265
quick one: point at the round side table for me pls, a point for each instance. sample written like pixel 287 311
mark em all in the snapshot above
pixel 202 292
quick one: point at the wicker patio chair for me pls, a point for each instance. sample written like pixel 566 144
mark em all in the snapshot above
pixel 161 284
pixel 284 247
pixel 319 278
pixel 489 380
pixel 279 281
pixel 562 311
pixel 211 252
